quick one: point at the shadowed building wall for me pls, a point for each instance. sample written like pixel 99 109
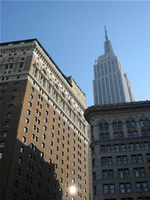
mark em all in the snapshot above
pixel 43 133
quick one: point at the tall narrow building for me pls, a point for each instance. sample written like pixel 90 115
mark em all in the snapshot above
pixel 43 133
pixel 111 83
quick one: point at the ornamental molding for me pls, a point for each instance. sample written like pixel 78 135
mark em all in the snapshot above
pixel 132 107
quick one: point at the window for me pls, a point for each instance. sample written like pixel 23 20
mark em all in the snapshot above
pixel 125 187
pixel 133 158
pixel 109 188
pixel 123 173
pixel 103 161
pixel 27 121
pixel 4 134
pixel 101 126
pixel 135 134
pixel 102 148
pixel 108 174
pixel 114 125
pixel 133 124
pixel 43 145
pixel 140 159
pixel 116 136
pixel 108 148
pixel 119 125
pixel 93 162
pixel 45 128
pixel 139 172
pixel 148 157
pixel 146 145
pixel 106 126
pixel 118 160
pixel 28 112
pixel 117 148
pixel 25 129
pixel 109 160
pixel 131 145
pixel 12 99
pixel 2 144
pixel 141 123
pixel 137 158
pixel 23 139
pixel 6 124
pixel 101 136
pixel 106 161
pixel 1 100
pixel 20 160
pixel 121 135
pixel 147 123
pixel 105 189
pixel 107 136
pixel 123 148
pixel 31 96
pixel 130 134
pixel 41 154
pixel 137 146
pixel 141 187
pixel 30 104
pixel 121 160
pixel 128 124
pixel 143 133
pixel 21 149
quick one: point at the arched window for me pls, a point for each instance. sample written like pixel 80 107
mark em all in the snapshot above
pixel 12 59
pixel 119 124
pixel 147 122
pixel 141 123
pixel 101 126
pixel 128 124
pixel 133 124
pixel 114 125
pixel 106 126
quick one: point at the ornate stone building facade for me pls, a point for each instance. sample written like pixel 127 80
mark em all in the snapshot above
pixel 120 147
pixel 43 133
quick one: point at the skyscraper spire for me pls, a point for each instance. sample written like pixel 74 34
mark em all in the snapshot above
pixel 106 37
pixel 107 46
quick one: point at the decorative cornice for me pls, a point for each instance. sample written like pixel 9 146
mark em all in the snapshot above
pixel 116 108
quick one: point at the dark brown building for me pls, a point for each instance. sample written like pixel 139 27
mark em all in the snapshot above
pixel 43 133
pixel 120 150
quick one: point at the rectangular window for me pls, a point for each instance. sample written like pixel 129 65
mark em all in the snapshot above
pixel 109 160
pixel 133 158
pixel 108 148
pixel 131 146
pixel 118 160
pixel 117 148
pixel 2 144
pixel 102 149
pixel 4 134
pixel 146 145
pixel 12 99
pixel 103 161
pixel 123 148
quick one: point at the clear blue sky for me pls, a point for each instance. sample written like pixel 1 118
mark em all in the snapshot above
pixel 72 32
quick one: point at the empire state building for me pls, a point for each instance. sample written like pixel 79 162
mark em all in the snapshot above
pixel 111 83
